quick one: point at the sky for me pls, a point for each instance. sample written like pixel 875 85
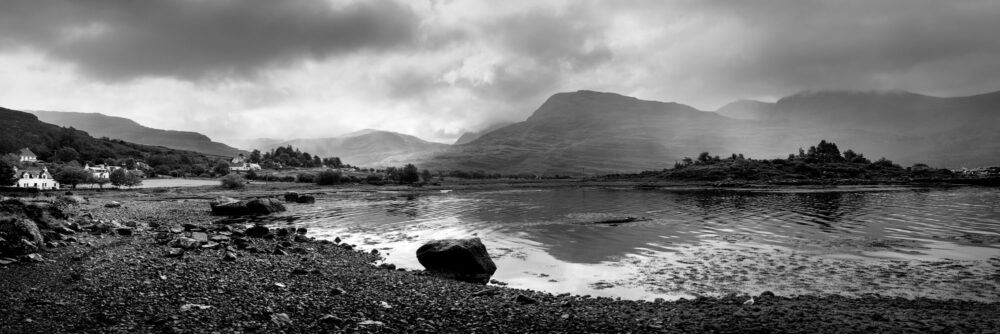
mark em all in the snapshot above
pixel 239 69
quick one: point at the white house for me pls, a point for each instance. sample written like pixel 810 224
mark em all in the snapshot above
pixel 241 164
pixel 100 171
pixel 28 156
pixel 35 178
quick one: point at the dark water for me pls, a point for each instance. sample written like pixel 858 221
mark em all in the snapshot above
pixel 939 243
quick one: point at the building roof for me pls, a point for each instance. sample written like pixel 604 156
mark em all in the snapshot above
pixel 31 171
pixel 27 152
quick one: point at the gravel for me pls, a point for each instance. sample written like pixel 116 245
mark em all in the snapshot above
pixel 115 282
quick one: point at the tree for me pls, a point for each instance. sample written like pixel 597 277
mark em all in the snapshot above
pixel 704 157
pixel 255 156
pixel 121 177
pixel 328 177
pixel 233 181
pixel 7 177
pixel 67 154
pixel 221 168
pixel 72 175
pixel 409 174
pixel 426 175
pixel 100 181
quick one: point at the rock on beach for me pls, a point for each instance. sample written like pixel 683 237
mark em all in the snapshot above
pixel 461 259
pixel 258 206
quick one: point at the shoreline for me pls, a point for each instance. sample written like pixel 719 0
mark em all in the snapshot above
pixel 112 283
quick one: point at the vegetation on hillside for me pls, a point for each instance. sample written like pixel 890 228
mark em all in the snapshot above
pixel 822 162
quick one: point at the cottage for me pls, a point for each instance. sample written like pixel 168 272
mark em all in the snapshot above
pixel 28 156
pixel 100 171
pixel 35 178
pixel 241 164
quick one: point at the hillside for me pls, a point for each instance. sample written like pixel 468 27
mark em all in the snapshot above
pixel 589 132
pixel 20 129
pixel 367 148
pixel 468 137
pixel 100 125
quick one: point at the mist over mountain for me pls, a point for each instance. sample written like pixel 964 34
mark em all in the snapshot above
pixel 589 132
pixel 366 148
pixel 468 137
pixel 100 125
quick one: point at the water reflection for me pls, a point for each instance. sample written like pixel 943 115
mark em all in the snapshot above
pixel 558 232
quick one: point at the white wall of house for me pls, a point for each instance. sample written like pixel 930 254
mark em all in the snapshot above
pixel 41 180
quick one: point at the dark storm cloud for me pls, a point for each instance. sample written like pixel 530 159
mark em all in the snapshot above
pixel 785 46
pixel 573 37
pixel 119 40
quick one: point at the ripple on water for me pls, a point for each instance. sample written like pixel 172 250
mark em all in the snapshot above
pixel 843 240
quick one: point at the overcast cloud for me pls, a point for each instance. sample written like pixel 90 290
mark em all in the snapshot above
pixel 311 68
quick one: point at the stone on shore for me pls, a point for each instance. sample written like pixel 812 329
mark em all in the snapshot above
pixel 258 206
pixel 461 259
pixel 291 197
pixel 19 236
pixel 257 231
pixel 305 199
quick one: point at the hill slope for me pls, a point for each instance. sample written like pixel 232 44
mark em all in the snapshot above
pixel 367 148
pixel 100 125
pixel 20 129
pixel 589 132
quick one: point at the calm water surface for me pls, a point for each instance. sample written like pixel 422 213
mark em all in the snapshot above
pixel 938 243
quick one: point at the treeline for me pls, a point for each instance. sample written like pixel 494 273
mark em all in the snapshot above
pixel 288 156
pixel 823 161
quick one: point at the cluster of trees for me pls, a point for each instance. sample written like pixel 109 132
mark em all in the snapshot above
pixel 823 161
pixel 288 156
pixel 71 174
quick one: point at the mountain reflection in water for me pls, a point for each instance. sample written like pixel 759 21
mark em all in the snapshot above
pixel 676 243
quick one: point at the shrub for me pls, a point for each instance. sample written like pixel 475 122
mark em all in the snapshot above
pixel 305 178
pixel 328 177
pixel 233 181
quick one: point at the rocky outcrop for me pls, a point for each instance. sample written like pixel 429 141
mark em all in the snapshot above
pixel 258 206
pixel 461 259
pixel 19 236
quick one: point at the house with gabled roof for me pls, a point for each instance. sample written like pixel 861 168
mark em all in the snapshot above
pixel 38 178
pixel 28 156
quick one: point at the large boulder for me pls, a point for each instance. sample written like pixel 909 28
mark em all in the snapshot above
pixel 19 236
pixel 461 259
pixel 257 206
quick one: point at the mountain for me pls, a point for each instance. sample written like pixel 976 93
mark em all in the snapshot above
pixel 468 137
pixel 590 132
pixel 367 148
pixel 20 129
pixel 747 109
pixel 100 125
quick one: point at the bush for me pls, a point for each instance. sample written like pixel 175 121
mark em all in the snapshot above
pixel 305 178
pixel 233 181
pixel 328 177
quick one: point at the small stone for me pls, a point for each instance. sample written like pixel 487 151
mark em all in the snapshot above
pixel 281 319
pixel 301 238
pixel 188 307
pixel 199 236
pixel 279 251
pixel 374 252
pixel 371 323
pixel 113 204
pixel 337 291
pixel 70 239
pixel 766 294
pixel 6 261
pixel 299 271
pixel 257 231
pixel 230 256
pixel 388 266
pixel 300 230
pixel 185 243
pixel 330 319
pixel 525 300
pixel 336 240
pixel 175 252
pixel 176 229
pixel 124 231
pixel 191 227
pixel 210 245
pixel 286 244
pixel 281 232
pixel 35 257
pixel 219 238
